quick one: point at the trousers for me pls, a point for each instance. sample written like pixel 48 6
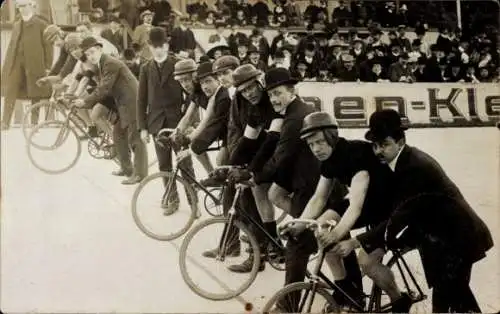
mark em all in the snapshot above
pixel 126 140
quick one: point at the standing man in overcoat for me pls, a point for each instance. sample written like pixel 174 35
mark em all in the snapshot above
pixel 117 81
pixel 27 59
pixel 159 105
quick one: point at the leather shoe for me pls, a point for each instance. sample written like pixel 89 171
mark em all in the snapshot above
pixel 132 180
pixel 122 173
pixel 403 304
pixel 234 252
pixel 246 266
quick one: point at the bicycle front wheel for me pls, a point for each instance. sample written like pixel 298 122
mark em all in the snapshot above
pixel 302 297
pixel 61 147
pixel 48 111
pixel 209 276
pixel 164 206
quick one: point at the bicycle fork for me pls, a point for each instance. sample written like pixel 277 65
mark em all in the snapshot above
pixel 221 255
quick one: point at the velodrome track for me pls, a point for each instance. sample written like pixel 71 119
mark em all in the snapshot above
pixel 69 244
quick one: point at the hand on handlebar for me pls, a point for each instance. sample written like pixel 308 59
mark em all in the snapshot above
pixel 292 230
pixel 327 237
pixel 237 175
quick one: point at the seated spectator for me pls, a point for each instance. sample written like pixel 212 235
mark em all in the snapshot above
pixel 272 21
pixel 470 74
pixel 254 59
pixel 235 38
pixel 443 65
pixel 455 72
pixel 484 74
pixel 444 40
pixel 279 60
pixel 393 56
pixel 241 18
pixel 359 13
pixel 260 11
pixel 311 12
pixel 299 71
pixel 348 72
pixel 162 10
pixel 415 51
pixel 279 14
pixel 335 58
pixel 376 73
pixel 322 48
pixel 222 10
pixel 293 13
pixel 210 19
pixel 217 50
pixel 357 51
pixel 218 38
pixel 402 40
pixel 198 9
pixel 182 39
pixel 377 41
pixel 261 44
pixel 324 74
pixel 400 71
pixel 365 66
pixel 419 72
pixel 283 38
pixel 341 16
pixel 242 53
pixel 310 58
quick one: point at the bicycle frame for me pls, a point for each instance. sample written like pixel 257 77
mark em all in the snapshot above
pixel 187 175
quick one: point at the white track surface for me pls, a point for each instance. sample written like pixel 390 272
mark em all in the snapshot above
pixel 69 244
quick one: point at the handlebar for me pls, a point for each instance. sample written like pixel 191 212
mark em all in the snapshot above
pixel 311 224
pixel 165 132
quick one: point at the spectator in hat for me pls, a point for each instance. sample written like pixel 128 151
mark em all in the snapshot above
pixel 470 74
pixel 341 15
pixel 132 60
pixel 241 18
pixel 141 34
pixel 348 72
pixel 260 10
pixel 377 72
pixel 86 29
pixel 162 10
pixel 311 13
pixel 260 43
pixel 365 67
pixel 420 72
pixel 377 40
pixel 182 39
pixel 299 71
pixel 284 37
pixel 254 59
pixel 311 60
pixel 222 9
pixel 444 40
pixel 359 13
pixel 335 58
pixel 114 33
pixel 200 8
pixel 393 56
pixel 279 60
pixel 358 51
pixel 402 40
pixel 242 53
pixel 323 73
pixel 159 105
pixel 211 18
pixel 118 82
pixel 217 51
pixel 27 59
pixel 400 71
pixel 235 38
pixel 454 72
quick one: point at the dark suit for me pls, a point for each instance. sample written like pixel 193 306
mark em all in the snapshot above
pixel 117 81
pixel 159 105
pixel 446 230
pixel 27 59
pixel 115 38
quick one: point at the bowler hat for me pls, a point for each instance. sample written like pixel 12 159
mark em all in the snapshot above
pixel 277 77
pixel 184 66
pixel 225 62
pixel 157 36
pixel 204 70
pixel 317 121
pixel 384 123
pixel 147 12
pixel 88 43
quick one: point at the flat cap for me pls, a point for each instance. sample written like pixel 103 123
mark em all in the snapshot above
pixel 225 62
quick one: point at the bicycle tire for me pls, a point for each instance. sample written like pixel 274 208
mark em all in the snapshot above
pixel 423 306
pixel 190 194
pixel 322 289
pixel 26 124
pixel 70 130
pixel 183 260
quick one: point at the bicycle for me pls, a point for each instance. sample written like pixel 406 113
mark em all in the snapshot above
pixel 300 296
pixel 227 226
pixel 212 199
pixel 98 148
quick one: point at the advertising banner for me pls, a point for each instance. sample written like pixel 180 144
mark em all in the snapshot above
pixel 420 104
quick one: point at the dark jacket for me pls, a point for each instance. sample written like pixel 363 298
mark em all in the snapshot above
pixel 216 128
pixel 424 199
pixel 159 99
pixel 182 40
pixel 117 81
pixel 291 152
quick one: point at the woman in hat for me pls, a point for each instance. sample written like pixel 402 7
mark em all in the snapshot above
pixel 141 34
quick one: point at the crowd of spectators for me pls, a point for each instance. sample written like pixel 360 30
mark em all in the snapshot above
pixel 324 51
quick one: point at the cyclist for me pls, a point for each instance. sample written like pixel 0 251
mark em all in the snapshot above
pixel 117 81
pixel 449 253
pixel 353 163
pixel 213 125
pixel 159 105
pixel 84 79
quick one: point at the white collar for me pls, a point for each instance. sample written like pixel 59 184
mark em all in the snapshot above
pixel 393 162
pixel 160 61
pixel 232 91
pixel 27 18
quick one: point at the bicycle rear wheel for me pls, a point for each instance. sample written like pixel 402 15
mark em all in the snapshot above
pixel 55 134
pixel 302 297
pixel 422 299
pixel 211 207
pixel 164 207
pixel 208 277
pixel 48 111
